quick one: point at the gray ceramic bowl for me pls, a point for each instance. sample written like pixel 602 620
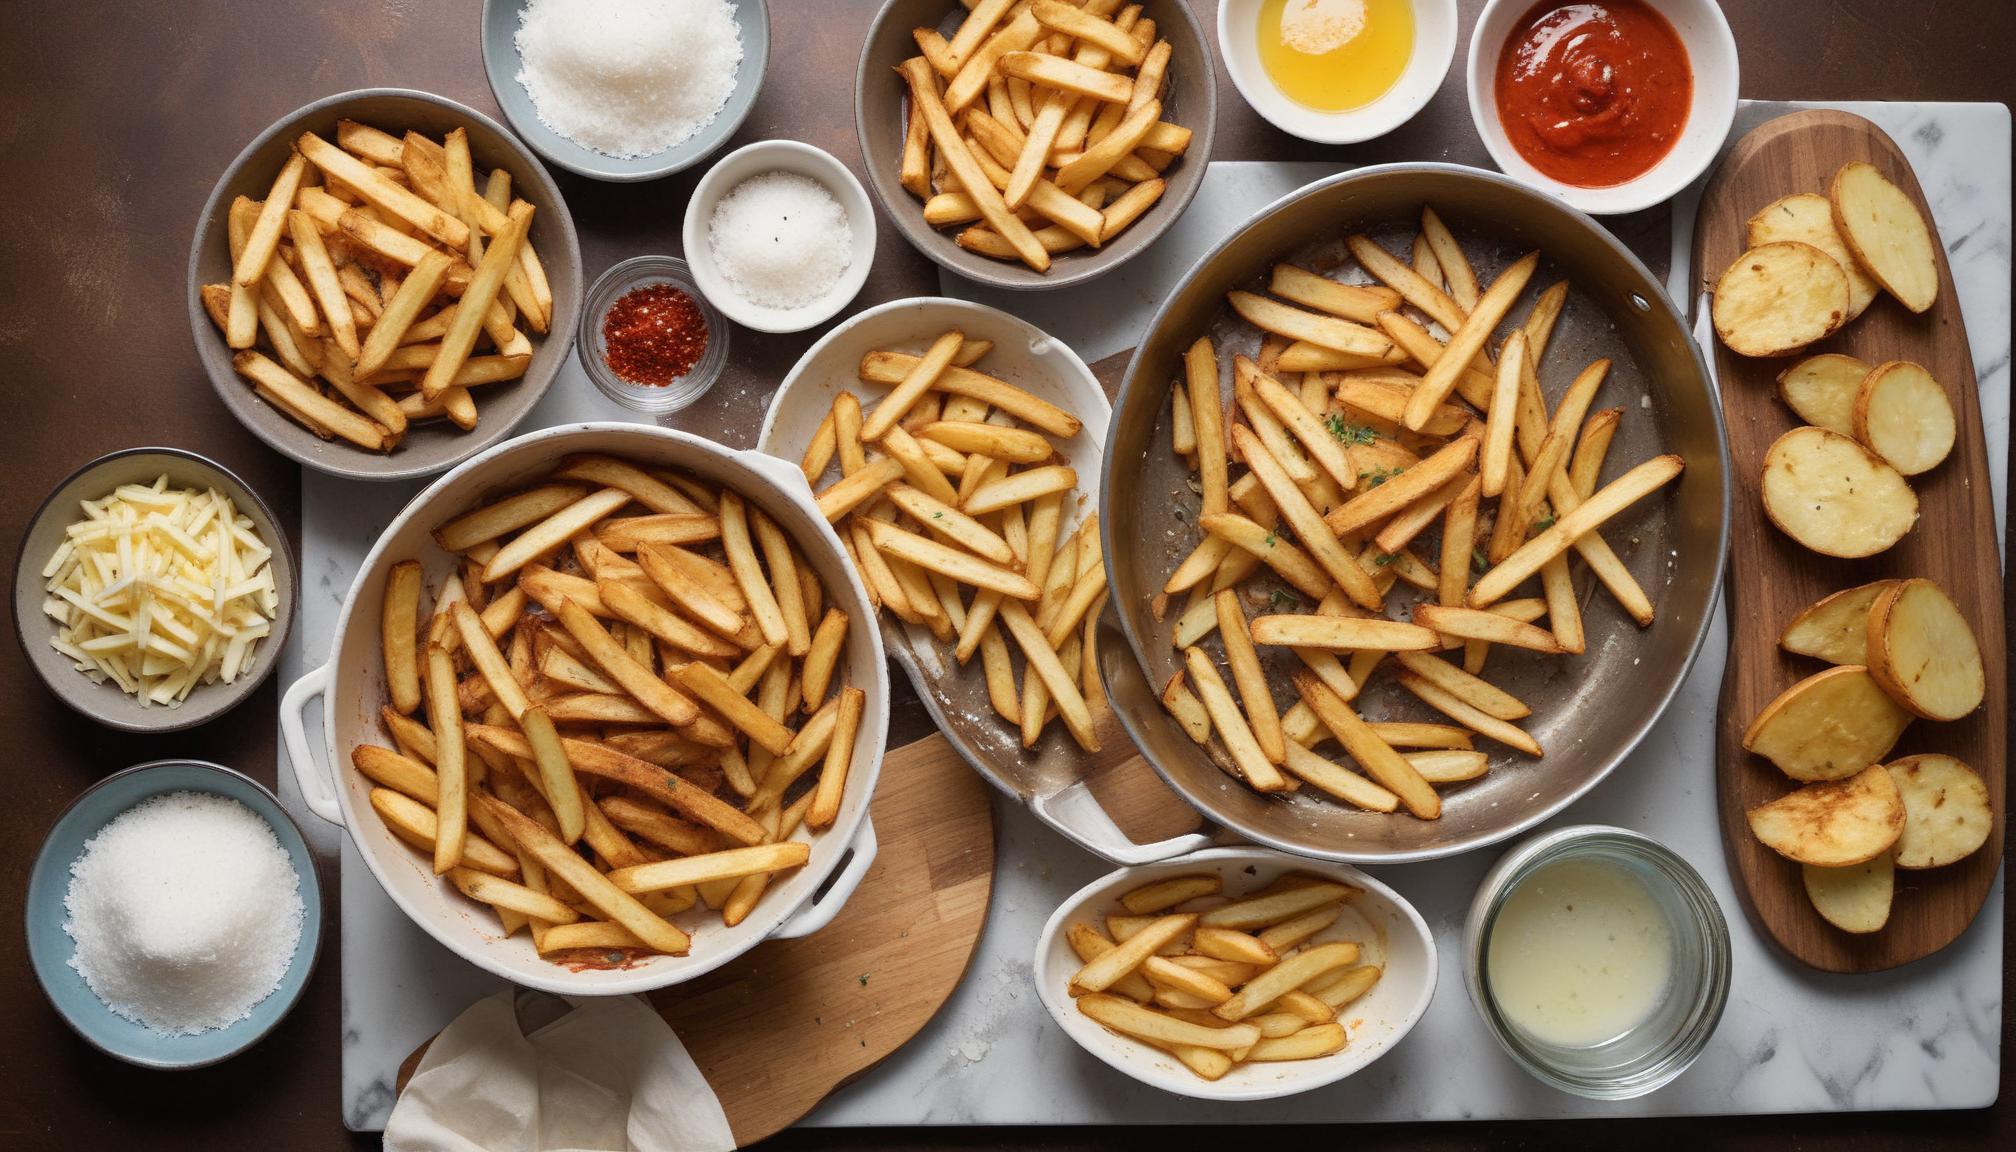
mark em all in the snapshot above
pixel 50 949
pixel 430 446
pixel 501 62
pixel 105 703
pixel 1190 99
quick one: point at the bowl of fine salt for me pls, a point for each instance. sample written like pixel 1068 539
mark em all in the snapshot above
pixel 173 914
pixel 625 90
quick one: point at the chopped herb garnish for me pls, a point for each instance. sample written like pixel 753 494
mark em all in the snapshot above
pixel 864 979
pixel 1284 600
pixel 1383 559
pixel 1271 538
pixel 1477 561
pixel 937 515
pixel 1348 432
pixel 1378 476
pixel 1543 523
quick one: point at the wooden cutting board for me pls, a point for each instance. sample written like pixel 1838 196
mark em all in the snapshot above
pixel 1771 578
pixel 778 1030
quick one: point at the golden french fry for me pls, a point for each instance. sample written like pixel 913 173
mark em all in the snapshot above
pixel 640 682
pixel 399 623
pixel 839 759
pixel 1607 502
pixel 1309 526
pixel 850 492
pixel 1371 752
pixel 958 380
pixel 1316 328
pixel 1476 624
pixel 1468 714
pixel 1231 724
pixel 594 887
pixel 1344 633
pixel 444 715
pixel 556 773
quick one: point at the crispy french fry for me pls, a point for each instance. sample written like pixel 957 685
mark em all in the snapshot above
pixel 444 715
pixel 1606 503
pixel 1371 752
pixel 839 759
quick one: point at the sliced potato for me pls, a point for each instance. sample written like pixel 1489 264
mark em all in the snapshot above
pixel 1833 824
pixel 1821 389
pixel 1886 234
pixel 1834 496
pixel 1830 725
pixel 1836 628
pixel 1808 218
pixel 1947 813
pixel 1923 653
pixel 1777 298
pixel 1855 898
pixel 1902 414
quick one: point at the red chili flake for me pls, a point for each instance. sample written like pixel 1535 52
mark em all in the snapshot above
pixel 653 335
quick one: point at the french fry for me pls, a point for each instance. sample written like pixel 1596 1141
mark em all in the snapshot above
pixel 1254 694
pixel 1468 714
pixel 1231 724
pixel 556 773
pixel 322 281
pixel 850 492
pixel 1467 340
pixel 444 716
pixel 381 193
pixel 1384 499
pixel 621 907
pixel 1449 257
pixel 890 368
pixel 1606 503
pixel 924 99
pixel 399 634
pixel 288 392
pixel 1323 330
pixel 1474 624
pixel 968 569
pixel 248 267
pixel 640 682
pixel 1358 303
pixel 499 258
pixel 1373 754
pixel 1345 633
pixel 1309 527
pixel 839 759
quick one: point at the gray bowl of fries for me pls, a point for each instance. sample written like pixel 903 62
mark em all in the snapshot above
pixel 1480 660
pixel 598 640
pixel 1130 125
pixel 333 330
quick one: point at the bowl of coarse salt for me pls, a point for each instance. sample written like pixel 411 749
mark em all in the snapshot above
pixel 779 235
pixel 625 90
pixel 173 914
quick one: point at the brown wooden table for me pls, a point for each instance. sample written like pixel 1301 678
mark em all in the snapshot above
pixel 116 117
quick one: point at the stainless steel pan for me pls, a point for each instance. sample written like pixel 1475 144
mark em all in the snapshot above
pixel 1589 711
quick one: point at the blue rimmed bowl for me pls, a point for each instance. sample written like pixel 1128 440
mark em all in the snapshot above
pixel 50 948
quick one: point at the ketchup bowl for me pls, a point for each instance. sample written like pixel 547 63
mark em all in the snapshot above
pixel 1623 84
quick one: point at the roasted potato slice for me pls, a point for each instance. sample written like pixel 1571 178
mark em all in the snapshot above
pixel 1777 298
pixel 1886 234
pixel 1834 496
pixel 1947 813
pixel 1855 898
pixel 1808 218
pixel 1821 389
pixel 1833 824
pixel 1923 653
pixel 1902 415
pixel 1836 628
pixel 1830 725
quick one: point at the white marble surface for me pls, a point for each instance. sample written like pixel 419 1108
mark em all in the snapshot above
pixel 1924 1036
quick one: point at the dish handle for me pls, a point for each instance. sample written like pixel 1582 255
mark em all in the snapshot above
pixel 823 907
pixel 318 786
pixel 1076 813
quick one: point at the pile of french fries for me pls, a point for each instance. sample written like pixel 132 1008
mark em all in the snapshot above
pixel 1038 125
pixel 1360 429
pixel 365 285
pixel 1217 983
pixel 586 676
pixel 951 482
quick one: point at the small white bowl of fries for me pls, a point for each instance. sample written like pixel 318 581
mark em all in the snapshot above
pixel 1236 973
pixel 636 733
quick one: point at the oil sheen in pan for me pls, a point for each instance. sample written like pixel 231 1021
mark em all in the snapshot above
pixel 1557 688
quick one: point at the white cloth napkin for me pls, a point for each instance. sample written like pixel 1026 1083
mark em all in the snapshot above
pixel 606 1074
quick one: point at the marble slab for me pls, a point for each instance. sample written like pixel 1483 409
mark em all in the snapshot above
pixel 1923 1036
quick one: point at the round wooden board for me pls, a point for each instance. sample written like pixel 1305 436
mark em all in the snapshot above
pixel 1771 578
pixel 778 1030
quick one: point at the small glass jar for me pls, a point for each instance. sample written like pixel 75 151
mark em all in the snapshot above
pixel 610 287
pixel 1666 1042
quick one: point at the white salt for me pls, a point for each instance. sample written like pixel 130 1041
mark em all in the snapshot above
pixel 780 239
pixel 628 78
pixel 186 912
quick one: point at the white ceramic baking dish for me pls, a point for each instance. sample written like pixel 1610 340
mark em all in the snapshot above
pixel 352 687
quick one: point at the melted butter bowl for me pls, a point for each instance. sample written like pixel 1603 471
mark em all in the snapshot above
pixel 1611 998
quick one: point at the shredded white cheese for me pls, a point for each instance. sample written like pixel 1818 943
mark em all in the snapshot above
pixel 160 589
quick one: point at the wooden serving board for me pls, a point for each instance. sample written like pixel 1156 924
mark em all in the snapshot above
pixel 778 1030
pixel 1771 578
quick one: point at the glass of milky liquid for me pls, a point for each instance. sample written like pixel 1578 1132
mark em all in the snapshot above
pixel 1598 959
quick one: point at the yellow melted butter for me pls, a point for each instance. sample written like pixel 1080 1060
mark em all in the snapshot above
pixel 1335 55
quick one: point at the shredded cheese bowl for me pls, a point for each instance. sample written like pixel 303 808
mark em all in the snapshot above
pixel 153 590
